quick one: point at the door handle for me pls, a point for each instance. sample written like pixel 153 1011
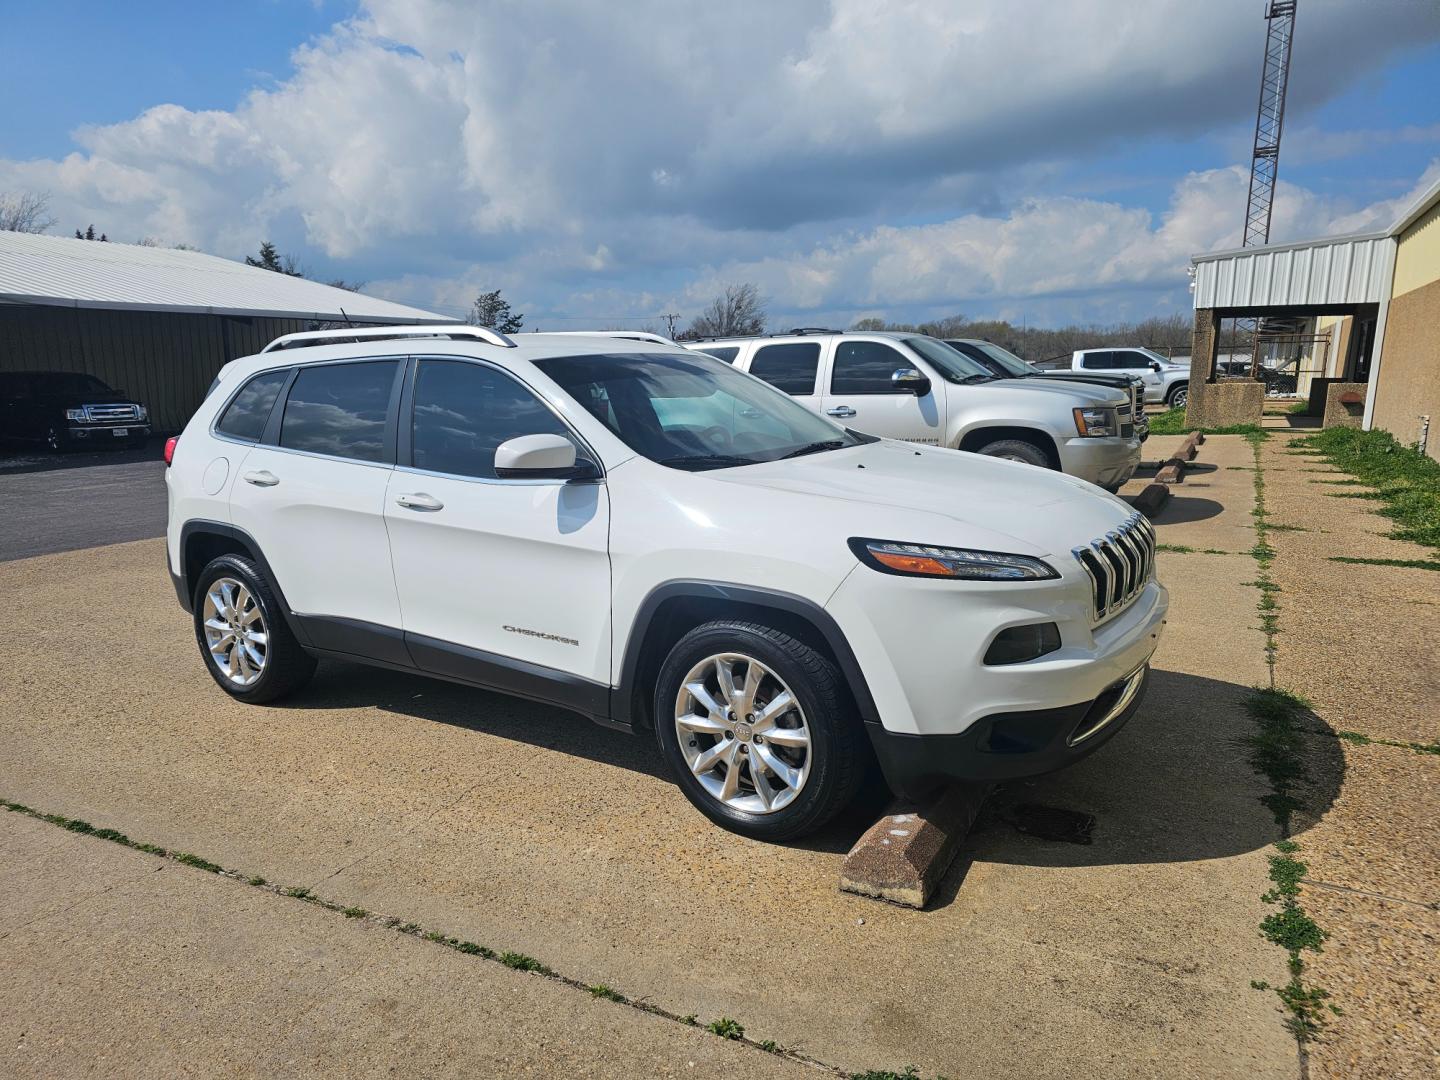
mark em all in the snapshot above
pixel 841 410
pixel 419 501
pixel 262 478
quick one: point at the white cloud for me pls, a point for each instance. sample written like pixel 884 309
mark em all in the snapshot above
pixel 570 150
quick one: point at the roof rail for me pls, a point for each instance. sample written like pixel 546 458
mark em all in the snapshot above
pixel 455 332
pixel 625 335
pixel 803 330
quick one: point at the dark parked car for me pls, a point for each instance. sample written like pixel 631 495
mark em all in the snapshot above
pixel 68 410
pixel 1004 364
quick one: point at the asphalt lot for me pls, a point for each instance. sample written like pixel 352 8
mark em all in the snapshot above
pixel 63 502
pixel 524 829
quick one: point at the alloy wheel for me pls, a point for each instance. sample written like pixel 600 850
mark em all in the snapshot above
pixel 235 631
pixel 1179 399
pixel 743 734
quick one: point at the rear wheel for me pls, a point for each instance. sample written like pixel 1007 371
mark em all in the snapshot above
pixel 1179 396
pixel 1016 450
pixel 759 728
pixel 243 636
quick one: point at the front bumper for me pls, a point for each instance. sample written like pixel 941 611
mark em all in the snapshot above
pixel 106 433
pixel 1107 463
pixel 1007 746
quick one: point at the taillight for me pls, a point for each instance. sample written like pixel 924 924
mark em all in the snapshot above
pixel 170 445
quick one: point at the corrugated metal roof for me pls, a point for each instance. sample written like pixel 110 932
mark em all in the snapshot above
pixel 1340 270
pixel 61 271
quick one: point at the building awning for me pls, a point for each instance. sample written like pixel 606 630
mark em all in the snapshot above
pixel 65 272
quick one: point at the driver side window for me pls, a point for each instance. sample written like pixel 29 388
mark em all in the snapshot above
pixel 463 411
pixel 866 367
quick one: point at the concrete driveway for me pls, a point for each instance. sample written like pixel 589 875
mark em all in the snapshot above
pixel 524 829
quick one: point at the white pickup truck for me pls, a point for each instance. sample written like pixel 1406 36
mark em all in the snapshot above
pixel 917 388
pixel 1165 380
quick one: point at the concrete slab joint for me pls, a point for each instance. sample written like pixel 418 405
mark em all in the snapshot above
pixel 904 855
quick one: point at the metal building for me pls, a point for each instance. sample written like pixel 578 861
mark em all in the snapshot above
pixel 155 322
pixel 1376 296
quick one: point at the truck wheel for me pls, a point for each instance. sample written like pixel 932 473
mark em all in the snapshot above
pixel 243 636
pixel 760 730
pixel 1179 396
pixel 1016 450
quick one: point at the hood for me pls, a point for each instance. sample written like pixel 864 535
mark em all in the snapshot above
pixel 74 401
pixel 1041 512
pixel 1073 393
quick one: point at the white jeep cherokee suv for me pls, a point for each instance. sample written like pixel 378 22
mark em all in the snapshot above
pixel 909 386
pixel 660 542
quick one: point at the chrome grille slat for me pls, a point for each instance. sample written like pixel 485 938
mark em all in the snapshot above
pixel 1118 565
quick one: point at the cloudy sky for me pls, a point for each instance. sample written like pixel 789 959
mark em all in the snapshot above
pixel 1044 160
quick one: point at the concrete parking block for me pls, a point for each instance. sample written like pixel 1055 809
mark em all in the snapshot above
pixel 903 856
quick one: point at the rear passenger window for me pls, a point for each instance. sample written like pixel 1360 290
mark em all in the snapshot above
pixel 722 352
pixel 1098 360
pixel 790 367
pixel 464 411
pixel 340 409
pixel 245 416
pixel 865 367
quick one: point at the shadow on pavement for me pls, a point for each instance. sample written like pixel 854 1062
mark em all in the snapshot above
pixel 1175 785
pixel 27 459
pixel 1183 508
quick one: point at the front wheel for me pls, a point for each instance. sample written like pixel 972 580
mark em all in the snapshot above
pixel 1016 450
pixel 1179 396
pixel 759 729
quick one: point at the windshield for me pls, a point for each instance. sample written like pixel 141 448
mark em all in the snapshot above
pixel 953 365
pixel 1006 359
pixel 692 411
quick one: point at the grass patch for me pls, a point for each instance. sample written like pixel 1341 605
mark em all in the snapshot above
pixel 354 912
pixel 1407 481
pixel 197 862
pixel 521 962
pixel 1172 422
pixel 1183 549
pixel 1409 564
pixel 1361 739
pixel 909 1073
pixel 1295 932
pixel 726 1028
pixel 600 990
pixel 770 1046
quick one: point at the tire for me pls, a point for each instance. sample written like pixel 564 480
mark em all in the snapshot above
pixel 1178 396
pixel 824 775
pixel 283 667
pixel 1016 450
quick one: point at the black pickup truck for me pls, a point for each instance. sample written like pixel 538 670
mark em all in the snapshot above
pixel 1004 364
pixel 68 410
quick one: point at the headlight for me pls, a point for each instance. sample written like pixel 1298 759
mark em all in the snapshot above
pixel 142 412
pixel 963 564
pixel 75 414
pixel 1096 423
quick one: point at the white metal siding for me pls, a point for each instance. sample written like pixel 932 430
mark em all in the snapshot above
pixel 64 272
pixel 1326 272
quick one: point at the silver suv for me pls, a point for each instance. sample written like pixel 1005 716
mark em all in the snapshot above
pixel 917 388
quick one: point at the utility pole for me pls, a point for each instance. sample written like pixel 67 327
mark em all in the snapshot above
pixel 670 318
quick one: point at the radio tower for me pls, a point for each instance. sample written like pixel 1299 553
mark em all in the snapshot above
pixel 1280 31
pixel 1269 119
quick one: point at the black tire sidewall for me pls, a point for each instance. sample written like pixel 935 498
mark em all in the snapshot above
pixel 824 707
pixel 246 571
pixel 1013 445
pixel 1175 392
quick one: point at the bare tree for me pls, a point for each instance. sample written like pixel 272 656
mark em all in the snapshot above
pixel 348 286
pixel 737 312
pixel 26 211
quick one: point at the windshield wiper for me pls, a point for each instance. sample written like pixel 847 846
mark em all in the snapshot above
pixel 705 461
pixel 814 448
pixel 978 378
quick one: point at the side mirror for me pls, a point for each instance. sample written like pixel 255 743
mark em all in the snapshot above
pixel 1155 365
pixel 541 457
pixel 911 381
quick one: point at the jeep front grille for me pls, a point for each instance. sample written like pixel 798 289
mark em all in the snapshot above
pixel 109 414
pixel 1118 564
